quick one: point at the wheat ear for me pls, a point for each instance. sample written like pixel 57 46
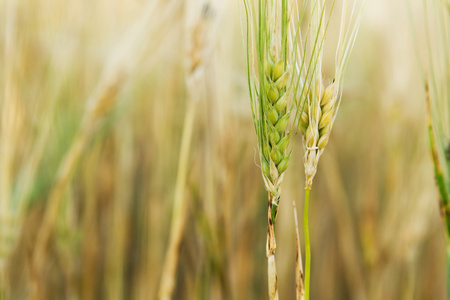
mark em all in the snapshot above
pixel 274 159
pixel 272 86
pixel 322 103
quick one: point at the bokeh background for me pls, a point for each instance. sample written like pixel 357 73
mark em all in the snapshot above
pixel 374 216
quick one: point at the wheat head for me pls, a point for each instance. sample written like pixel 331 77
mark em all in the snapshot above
pixel 274 159
pixel 322 103
pixel 315 125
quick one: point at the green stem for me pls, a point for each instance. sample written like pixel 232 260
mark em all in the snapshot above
pixel 307 244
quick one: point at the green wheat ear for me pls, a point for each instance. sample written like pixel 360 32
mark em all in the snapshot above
pixel 273 85
pixel 274 159
pixel 276 87
pixel 270 66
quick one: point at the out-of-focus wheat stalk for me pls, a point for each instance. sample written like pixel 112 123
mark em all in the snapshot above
pixel 11 119
pixel 437 88
pixel 439 169
pixel 122 59
pixel 201 22
pixel 120 214
pixel 179 208
pixel 438 98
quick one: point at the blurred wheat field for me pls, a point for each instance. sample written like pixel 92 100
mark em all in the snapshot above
pixel 94 102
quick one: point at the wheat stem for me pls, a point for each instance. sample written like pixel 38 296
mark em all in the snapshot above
pixel 179 208
pixel 200 45
pixel 64 175
pixel 270 250
pixel 307 244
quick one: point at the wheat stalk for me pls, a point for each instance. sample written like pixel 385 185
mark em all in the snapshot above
pixel 322 103
pixel 272 27
pixel 199 42
pixel 11 125
pixel 437 82
pixel 270 96
pixel 437 85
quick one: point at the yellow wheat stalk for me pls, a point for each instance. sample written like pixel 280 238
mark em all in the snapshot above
pixel 201 21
